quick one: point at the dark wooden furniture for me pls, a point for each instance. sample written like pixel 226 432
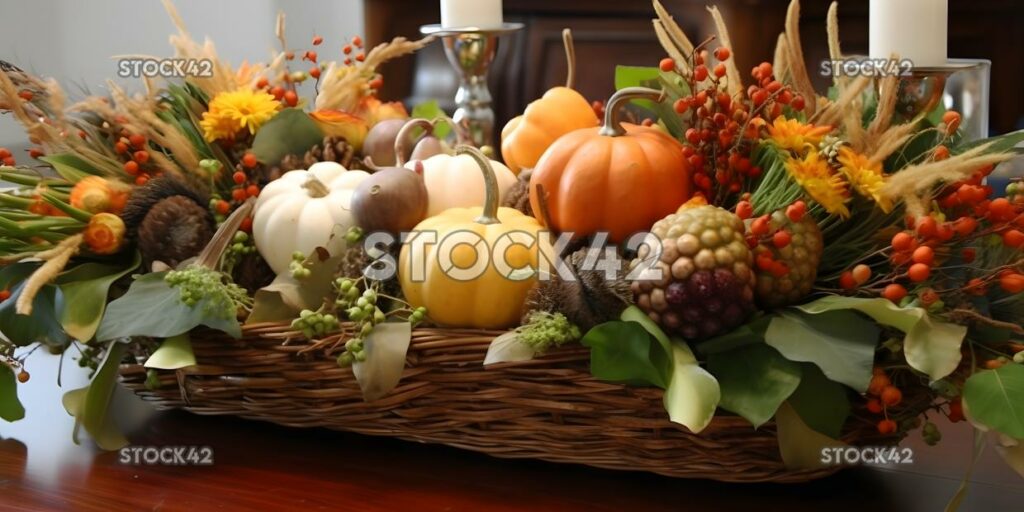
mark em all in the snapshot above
pixel 258 466
pixel 610 32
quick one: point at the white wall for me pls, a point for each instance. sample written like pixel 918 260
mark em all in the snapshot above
pixel 73 40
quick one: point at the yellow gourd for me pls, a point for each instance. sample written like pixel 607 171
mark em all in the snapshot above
pixel 447 265
pixel 560 111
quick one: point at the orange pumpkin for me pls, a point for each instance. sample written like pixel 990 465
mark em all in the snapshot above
pixel 619 178
pixel 560 111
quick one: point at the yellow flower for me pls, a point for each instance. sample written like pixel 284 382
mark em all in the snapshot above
pixel 865 176
pixel 795 136
pixel 105 233
pixel 232 112
pixel 821 184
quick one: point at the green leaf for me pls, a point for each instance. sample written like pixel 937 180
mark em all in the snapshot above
pixel 842 343
pixel 153 308
pixel 290 132
pixel 42 325
pixel 635 76
pixel 91 405
pixel 283 299
pixel 1000 144
pixel 931 346
pixel 508 348
pixel 431 110
pixel 995 399
pixel 85 290
pixel 10 407
pixel 823 405
pixel 692 394
pixel 749 333
pixel 800 446
pixel 71 167
pixel 755 380
pixel 385 348
pixel 635 314
pixel 175 352
pixel 625 352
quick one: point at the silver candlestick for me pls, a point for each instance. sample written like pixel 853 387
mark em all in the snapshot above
pixel 963 84
pixel 471 51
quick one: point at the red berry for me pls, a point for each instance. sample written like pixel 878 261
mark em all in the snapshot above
pixel 239 177
pixel 796 211
pixel 891 396
pixel 700 73
pixel 9 161
pixel 759 97
pixel 238 194
pixel 722 53
pixel 919 272
pixel 252 191
pixel 886 427
pixel 680 106
pixel 317 40
pixel 861 273
pixel 878 383
pixel 249 160
pixel 924 254
pixel 222 207
pixel 246 225
pixel 291 98
pixel 667 64
pixel 797 103
pixel 314 72
pixel 874 406
pixel 927 227
pixel 744 210
pixel 895 293
pixel 720 70
pixel 262 83
pixel 846 281
pixel 781 238
pixel 131 167
pixel 902 241
pixel 4 295
pixel 956 410
pixel 1012 283
pixel 138 141
pixel 35 153
pixel 1013 238
pixel 4 152
pixel 760 226
pixel 141 156
pixel 141 180
pixel 277 92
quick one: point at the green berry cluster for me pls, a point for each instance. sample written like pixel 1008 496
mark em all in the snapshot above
pixel 152 380
pixel 315 324
pixel 196 283
pixel 298 266
pixel 931 434
pixel 543 330
pixel 1015 191
pixel 354 234
pixel 362 307
pixel 241 245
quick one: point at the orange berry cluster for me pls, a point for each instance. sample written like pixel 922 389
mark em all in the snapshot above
pixel 760 232
pixel 134 148
pixel 723 127
pixel 244 187
pixel 6 157
pixel 883 395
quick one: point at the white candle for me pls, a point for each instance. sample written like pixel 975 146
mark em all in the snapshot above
pixel 913 29
pixel 484 14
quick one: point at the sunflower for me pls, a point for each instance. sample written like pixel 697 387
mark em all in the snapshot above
pixel 821 184
pixel 795 136
pixel 232 112
pixel 865 176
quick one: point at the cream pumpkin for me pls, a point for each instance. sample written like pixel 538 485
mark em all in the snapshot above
pixel 455 181
pixel 303 210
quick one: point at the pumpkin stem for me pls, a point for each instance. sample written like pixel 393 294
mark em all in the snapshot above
pixel 612 123
pixel 490 212
pixel 570 58
pixel 402 139
pixel 315 188
pixel 461 135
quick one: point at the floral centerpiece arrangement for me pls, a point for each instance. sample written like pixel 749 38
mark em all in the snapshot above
pixel 746 252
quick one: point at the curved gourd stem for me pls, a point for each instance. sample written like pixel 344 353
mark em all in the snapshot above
pixel 314 187
pixel 402 139
pixel 490 213
pixel 461 136
pixel 612 123
pixel 570 58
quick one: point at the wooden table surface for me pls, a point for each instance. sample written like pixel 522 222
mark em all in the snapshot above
pixel 259 466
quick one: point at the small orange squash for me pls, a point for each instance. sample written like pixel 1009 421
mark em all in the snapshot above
pixel 560 111
pixel 619 178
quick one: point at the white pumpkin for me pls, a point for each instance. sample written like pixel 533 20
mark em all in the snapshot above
pixel 455 181
pixel 303 210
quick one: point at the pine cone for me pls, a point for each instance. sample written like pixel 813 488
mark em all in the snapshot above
pixel 332 149
pixel 518 196
pixel 588 300
pixel 169 220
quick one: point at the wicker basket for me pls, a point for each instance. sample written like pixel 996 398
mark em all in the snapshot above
pixel 549 408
